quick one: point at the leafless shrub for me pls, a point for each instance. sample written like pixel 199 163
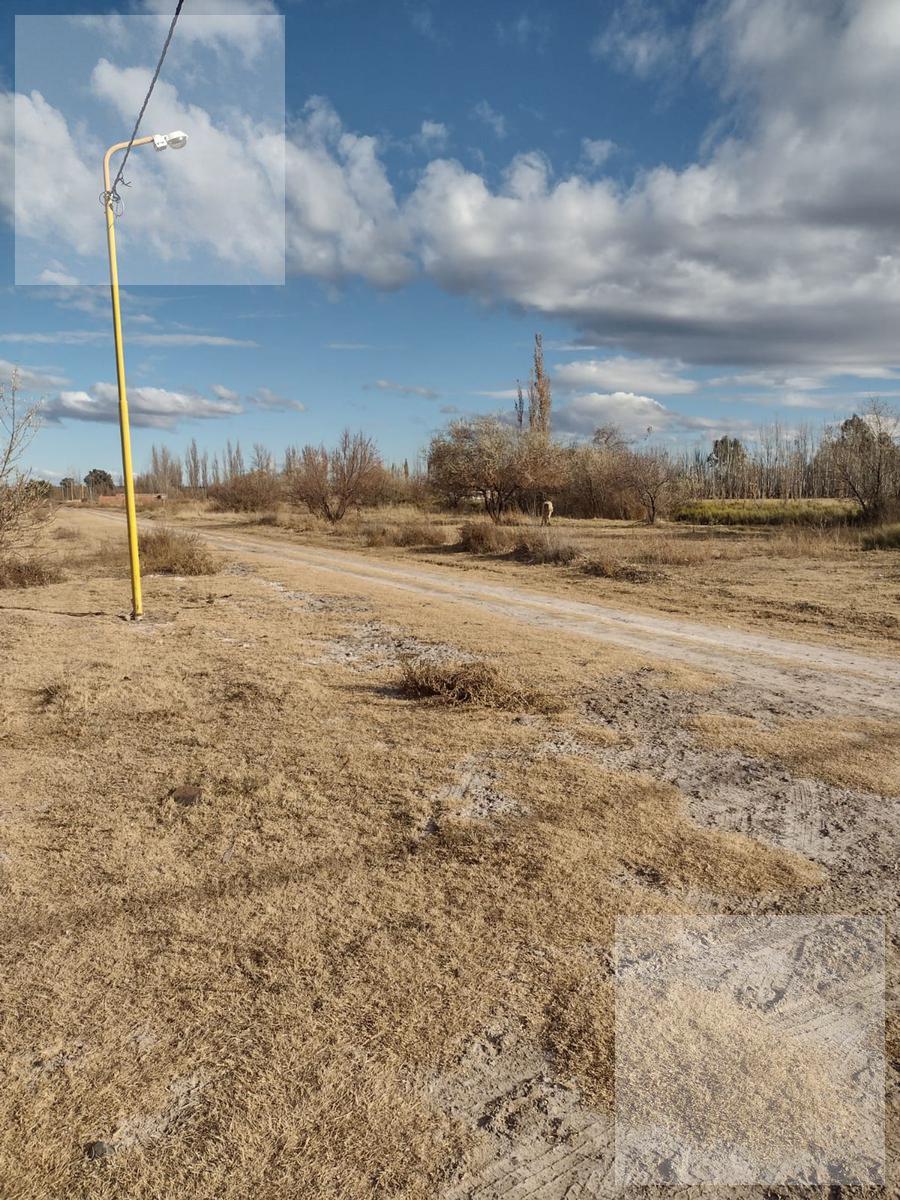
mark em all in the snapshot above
pixel 24 501
pixel 479 683
pixel 19 572
pixel 544 546
pixel 168 552
pixel 330 482
pixel 254 491
pixel 594 484
pixel 301 522
pixel 107 559
pixel 484 537
pixel 651 476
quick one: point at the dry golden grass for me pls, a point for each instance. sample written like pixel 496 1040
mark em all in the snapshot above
pixel 753 1083
pixel 252 995
pixel 479 683
pixel 861 754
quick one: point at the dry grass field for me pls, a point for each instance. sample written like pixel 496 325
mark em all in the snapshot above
pixel 311 882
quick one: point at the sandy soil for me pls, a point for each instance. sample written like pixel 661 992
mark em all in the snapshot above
pixel 375 960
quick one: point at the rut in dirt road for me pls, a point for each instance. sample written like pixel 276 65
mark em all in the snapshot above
pixel 834 680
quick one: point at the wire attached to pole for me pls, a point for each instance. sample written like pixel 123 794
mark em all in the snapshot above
pixel 112 196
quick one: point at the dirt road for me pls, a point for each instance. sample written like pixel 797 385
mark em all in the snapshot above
pixel 834 680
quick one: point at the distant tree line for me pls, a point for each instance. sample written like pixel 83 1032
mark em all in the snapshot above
pixel 513 461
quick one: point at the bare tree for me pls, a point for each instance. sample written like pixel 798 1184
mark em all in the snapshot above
pixel 165 474
pixel 866 456
pixel 193 466
pixel 262 459
pixel 22 503
pixel 610 438
pixel 540 399
pixel 596 484
pixel 496 461
pixel 651 476
pixel 290 460
pixel 330 482
pixel 233 464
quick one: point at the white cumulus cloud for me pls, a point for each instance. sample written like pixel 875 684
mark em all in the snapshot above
pixel 343 217
pixel 624 374
pixel 157 408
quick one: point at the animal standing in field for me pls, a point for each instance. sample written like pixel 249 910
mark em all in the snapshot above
pixel 546 512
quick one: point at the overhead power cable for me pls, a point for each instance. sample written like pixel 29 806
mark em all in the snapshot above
pixel 113 194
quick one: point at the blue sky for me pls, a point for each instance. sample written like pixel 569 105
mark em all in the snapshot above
pixel 694 202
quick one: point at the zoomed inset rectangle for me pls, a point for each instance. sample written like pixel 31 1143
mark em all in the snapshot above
pixel 208 208
pixel 750 1050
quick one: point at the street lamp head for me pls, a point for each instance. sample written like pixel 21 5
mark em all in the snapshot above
pixel 170 141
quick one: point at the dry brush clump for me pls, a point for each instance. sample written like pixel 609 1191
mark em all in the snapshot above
pixel 169 552
pixel 802 541
pixel 486 537
pixel 675 551
pixel 476 682
pixel 606 566
pixel 17 571
pixel 544 546
pixel 255 491
pixel 885 538
pixel 404 533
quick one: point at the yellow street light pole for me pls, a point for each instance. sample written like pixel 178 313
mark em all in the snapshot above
pixel 176 141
